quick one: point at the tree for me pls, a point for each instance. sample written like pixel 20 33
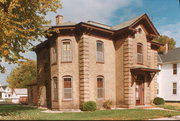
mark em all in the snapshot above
pixel 22 75
pixel 21 23
pixel 166 40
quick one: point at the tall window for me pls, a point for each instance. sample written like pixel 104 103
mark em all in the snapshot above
pixel 67 90
pixel 54 53
pixel 0 95
pixel 174 68
pixel 55 87
pixel 66 51
pixel 139 53
pixel 174 88
pixel 100 87
pixel 99 51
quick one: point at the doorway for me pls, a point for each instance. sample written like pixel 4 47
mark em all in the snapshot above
pixel 140 90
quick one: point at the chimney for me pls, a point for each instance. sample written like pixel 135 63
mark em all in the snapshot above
pixel 166 48
pixel 59 19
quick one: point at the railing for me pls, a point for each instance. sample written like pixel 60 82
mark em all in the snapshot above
pixel 139 58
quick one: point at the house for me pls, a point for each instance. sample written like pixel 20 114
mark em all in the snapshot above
pixel 19 93
pixel 7 93
pixel 92 61
pixel 168 78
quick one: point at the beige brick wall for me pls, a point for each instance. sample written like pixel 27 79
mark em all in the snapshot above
pixel 119 57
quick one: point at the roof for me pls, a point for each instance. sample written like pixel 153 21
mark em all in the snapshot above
pixel 117 27
pixel 144 69
pixel 130 24
pixel 22 91
pixel 69 23
pixel 126 23
pixel 4 87
pixel 171 56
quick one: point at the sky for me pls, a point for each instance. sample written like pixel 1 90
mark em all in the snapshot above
pixel 165 15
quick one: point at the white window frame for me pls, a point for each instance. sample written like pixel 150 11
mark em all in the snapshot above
pixel 65 55
pixel 71 89
pixel 100 55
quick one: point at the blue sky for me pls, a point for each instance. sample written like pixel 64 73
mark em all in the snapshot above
pixel 165 15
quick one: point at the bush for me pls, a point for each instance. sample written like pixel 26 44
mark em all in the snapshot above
pixel 158 101
pixel 107 104
pixel 8 101
pixel 89 106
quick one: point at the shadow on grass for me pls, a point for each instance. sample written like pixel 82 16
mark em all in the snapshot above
pixel 12 109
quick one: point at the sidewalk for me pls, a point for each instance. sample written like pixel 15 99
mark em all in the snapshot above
pixel 167 118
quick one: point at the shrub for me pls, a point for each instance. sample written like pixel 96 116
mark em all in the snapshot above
pixel 89 106
pixel 158 101
pixel 8 101
pixel 107 104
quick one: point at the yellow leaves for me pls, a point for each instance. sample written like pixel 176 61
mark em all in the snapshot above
pixel 21 22
pixel 5 53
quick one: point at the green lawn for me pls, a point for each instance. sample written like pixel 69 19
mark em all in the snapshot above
pixel 170 107
pixel 18 112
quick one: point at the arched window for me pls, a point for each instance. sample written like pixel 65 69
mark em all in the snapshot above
pixel 67 87
pixel 139 53
pixel 54 53
pixel 100 87
pixel 99 51
pixel 55 88
pixel 66 51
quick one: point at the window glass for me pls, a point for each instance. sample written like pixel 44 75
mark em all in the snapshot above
pixel 55 88
pixel 139 53
pixel 100 87
pixel 174 88
pixel 66 51
pixel 174 68
pixel 54 54
pixel 99 52
pixel 67 88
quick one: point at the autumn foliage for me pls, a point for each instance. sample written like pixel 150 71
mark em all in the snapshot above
pixel 21 23
pixel 22 75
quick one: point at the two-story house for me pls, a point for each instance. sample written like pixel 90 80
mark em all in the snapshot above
pixel 92 61
pixel 168 78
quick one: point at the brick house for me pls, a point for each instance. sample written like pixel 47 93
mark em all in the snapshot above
pixel 92 61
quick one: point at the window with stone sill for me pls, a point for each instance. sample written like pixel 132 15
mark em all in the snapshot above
pixel 55 87
pixel 99 51
pixel 54 53
pixel 139 53
pixel 66 51
pixel 67 88
pixel 100 87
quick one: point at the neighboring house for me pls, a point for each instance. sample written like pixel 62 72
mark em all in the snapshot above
pixel 92 61
pixel 19 93
pixel 5 92
pixel 12 94
pixel 168 78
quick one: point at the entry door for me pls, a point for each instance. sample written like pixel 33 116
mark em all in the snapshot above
pixel 140 92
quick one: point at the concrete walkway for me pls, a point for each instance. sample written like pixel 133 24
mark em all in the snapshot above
pixel 167 118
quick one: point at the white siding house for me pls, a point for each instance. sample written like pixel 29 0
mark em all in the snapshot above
pixel 12 94
pixel 169 76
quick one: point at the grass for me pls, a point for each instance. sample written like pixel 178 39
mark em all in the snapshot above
pixel 171 106
pixel 19 112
